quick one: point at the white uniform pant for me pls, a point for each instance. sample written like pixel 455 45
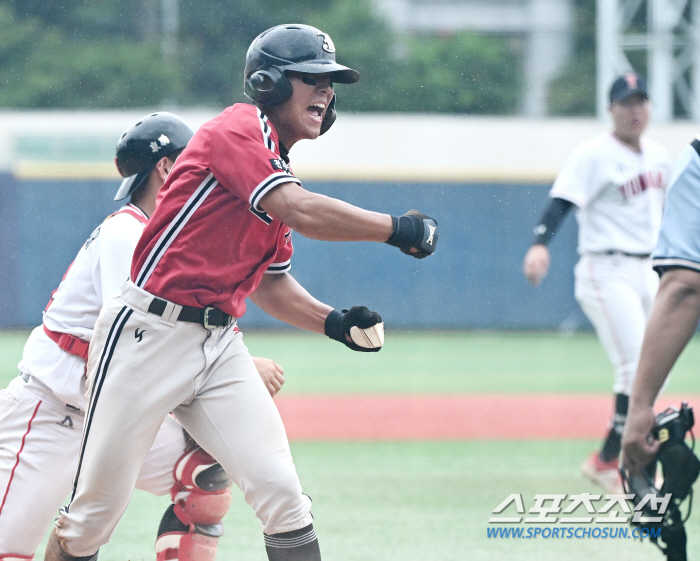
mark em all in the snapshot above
pixel 39 447
pixel 616 293
pixel 141 367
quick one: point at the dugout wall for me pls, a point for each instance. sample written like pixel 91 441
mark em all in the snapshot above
pixel 474 280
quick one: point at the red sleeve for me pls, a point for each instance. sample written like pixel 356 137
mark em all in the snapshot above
pixel 243 156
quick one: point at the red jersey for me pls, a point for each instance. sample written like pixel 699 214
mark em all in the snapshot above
pixel 208 242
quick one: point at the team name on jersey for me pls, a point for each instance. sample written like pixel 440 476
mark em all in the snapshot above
pixel 279 164
pixel 644 181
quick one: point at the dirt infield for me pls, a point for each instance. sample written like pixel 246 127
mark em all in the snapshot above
pixel 460 417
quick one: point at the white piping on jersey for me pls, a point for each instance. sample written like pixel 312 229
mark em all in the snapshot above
pixel 171 232
pixel 268 183
pixel 277 268
pixel 266 131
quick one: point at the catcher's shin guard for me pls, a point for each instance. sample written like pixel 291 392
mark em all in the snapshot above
pixel 191 527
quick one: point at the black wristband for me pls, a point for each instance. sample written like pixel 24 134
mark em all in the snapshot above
pixel 404 232
pixel 552 218
pixel 334 326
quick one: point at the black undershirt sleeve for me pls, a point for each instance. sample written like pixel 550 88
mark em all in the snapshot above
pixel 551 219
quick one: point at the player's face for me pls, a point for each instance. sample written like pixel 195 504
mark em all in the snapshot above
pixel 630 116
pixel 303 113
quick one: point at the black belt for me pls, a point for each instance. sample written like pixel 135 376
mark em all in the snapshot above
pixel 615 252
pixel 209 317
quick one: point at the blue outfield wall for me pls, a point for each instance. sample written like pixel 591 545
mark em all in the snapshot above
pixel 474 280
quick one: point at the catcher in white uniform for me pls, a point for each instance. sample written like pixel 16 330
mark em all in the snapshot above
pixel 42 410
pixel 617 182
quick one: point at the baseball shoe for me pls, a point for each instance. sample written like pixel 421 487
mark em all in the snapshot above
pixel 605 474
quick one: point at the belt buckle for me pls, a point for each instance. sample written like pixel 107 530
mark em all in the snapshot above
pixel 205 319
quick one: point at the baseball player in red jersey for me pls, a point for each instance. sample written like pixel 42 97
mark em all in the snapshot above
pixel 617 182
pixel 222 232
pixel 42 411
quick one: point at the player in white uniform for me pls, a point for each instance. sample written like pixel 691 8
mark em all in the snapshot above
pixel 42 410
pixel 617 182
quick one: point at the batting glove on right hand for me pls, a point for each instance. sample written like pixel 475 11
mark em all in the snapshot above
pixel 414 230
pixel 363 326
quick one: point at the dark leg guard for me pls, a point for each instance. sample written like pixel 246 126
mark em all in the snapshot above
pixel 54 551
pixel 612 445
pixel 298 545
pixel 193 542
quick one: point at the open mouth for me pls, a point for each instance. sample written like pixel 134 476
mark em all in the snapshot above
pixel 315 111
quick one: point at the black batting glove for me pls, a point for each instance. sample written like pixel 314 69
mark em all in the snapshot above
pixel 414 230
pixel 363 326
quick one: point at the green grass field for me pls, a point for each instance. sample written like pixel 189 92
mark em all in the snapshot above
pixel 432 362
pixel 411 501
pixel 419 501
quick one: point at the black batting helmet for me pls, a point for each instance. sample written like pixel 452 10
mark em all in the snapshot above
pixel 142 145
pixel 297 48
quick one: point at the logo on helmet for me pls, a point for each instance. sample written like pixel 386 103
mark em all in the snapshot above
pixel 328 45
pixel 160 143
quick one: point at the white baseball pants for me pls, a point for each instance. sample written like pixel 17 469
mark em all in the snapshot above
pixel 39 448
pixel 141 367
pixel 616 293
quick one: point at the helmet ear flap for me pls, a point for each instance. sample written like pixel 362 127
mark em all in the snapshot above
pixel 268 87
pixel 329 119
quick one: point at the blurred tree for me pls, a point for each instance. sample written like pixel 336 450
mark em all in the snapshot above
pixel 91 19
pixel 214 38
pixel 463 73
pixel 574 92
pixel 460 73
pixel 100 53
pixel 44 66
pixel 368 45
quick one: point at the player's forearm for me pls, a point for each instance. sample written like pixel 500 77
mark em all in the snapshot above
pixel 323 218
pixel 672 322
pixel 282 297
pixel 553 216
